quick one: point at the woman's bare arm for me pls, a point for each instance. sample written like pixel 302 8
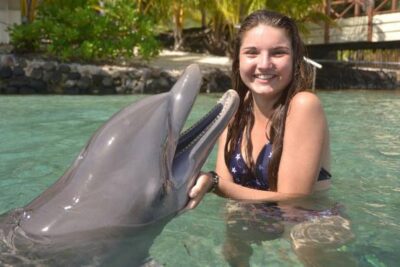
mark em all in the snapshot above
pixel 305 134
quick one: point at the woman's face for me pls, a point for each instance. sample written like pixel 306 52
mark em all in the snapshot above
pixel 265 60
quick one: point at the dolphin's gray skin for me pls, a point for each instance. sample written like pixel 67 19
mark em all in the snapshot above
pixel 131 178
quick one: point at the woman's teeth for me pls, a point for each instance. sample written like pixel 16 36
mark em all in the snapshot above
pixel 264 76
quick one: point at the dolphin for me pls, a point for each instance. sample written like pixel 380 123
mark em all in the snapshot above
pixel 131 178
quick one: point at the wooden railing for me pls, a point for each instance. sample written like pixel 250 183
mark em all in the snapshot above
pixel 338 9
pixel 353 8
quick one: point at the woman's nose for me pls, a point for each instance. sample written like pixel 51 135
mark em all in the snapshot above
pixel 264 61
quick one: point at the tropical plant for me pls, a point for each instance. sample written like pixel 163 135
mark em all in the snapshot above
pixel 82 26
pixel 168 12
pixel 302 11
pixel 83 29
pixel 234 11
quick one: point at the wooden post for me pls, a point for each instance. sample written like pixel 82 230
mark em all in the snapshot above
pixel 356 9
pixel 370 14
pixel 394 5
pixel 327 10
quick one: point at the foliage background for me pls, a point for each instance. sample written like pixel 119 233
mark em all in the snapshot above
pixel 93 30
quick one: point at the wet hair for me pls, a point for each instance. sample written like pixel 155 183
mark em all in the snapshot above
pixel 244 117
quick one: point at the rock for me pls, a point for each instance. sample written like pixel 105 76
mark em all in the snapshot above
pixel 107 81
pixel 146 74
pixel 27 91
pixel 83 91
pixel 136 75
pixel 55 77
pixel 216 81
pixel 10 90
pixel 106 90
pixel 159 85
pixel 8 61
pixel 134 86
pixel 5 72
pixel 74 76
pixel 37 74
pixel 71 90
pixel 70 84
pixel 49 66
pixel 84 83
pixel 47 76
pixel 139 87
pixel 347 77
pixel 64 68
pixel 38 86
pixel 97 79
pixel 21 82
pixel 22 62
pixel 94 91
pixel 19 71
pixel 120 89
pixel 117 81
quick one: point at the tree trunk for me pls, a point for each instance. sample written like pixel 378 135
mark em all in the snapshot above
pixel 203 17
pixel 178 24
pixel 28 9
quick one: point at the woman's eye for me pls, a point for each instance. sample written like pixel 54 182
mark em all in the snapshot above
pixel 279 53
pixel 250 52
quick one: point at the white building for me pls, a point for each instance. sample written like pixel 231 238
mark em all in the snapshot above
pixel 10 13
pixel 384 28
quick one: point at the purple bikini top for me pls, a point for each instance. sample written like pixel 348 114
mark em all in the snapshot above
pixel 257 179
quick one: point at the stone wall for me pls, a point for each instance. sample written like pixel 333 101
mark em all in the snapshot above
pixel 19 75
pixel 344 76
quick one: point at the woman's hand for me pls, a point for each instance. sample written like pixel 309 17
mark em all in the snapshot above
pixel 197 192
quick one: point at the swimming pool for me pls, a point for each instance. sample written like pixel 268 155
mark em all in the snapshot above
pixel 41 135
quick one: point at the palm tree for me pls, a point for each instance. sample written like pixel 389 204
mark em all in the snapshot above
pixel 28 8
pixel 227 14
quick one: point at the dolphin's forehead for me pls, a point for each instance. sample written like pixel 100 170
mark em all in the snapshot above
pixel 138 130
pixel 128 150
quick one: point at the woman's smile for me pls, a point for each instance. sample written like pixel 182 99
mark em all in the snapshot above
pixel 265 77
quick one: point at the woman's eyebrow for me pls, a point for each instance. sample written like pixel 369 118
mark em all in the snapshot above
pixel 252 48
pixel 284 47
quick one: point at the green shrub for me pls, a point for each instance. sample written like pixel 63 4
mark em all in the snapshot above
pixel 80 29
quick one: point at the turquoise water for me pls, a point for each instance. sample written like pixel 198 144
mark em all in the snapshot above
pixel 41 136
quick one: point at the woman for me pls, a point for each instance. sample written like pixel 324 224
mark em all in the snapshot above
pixel 276 148
pixel 277 145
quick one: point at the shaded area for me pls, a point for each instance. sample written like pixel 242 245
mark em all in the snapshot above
pixel 344 76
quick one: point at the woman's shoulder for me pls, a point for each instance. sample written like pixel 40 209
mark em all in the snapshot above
pixel 305 107
pixel 306 102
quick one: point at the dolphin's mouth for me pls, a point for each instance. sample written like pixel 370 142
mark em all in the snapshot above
pixel 206 124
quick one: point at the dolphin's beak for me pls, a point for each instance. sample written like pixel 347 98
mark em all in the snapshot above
pixel 208 128
pixel 183 96
pixel 185 153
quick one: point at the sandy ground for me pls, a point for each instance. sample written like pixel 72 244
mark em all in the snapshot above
pixel 176 61
pixel 172 61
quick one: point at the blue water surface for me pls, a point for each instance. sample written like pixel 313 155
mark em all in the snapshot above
pixel 40 136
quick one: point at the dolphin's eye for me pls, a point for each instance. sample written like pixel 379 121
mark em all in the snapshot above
pixel 165 188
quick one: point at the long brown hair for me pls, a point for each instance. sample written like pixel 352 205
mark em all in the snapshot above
pixel 244 117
